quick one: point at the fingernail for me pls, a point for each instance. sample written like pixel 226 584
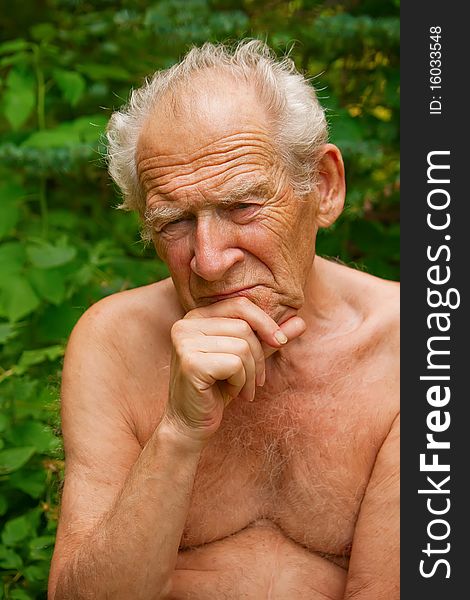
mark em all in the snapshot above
pixel 281 337
pixel 263 378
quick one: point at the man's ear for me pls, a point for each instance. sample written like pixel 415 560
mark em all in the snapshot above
pixel 331 187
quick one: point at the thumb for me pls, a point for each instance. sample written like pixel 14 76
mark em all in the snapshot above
pixel 292 328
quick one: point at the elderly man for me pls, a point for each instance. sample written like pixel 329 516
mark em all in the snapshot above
pixel 232 432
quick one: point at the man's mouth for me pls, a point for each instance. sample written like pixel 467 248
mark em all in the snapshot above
pixel 245 291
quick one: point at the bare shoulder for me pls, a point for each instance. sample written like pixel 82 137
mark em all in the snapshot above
pixel 152 308
pixel 381 298
pixel 374 297
pixel 377 336
pixel 113 369
pixel 118 354
pixel 376 304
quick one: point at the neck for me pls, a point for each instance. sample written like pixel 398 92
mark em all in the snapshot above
pixel 329 311
pixel 325 300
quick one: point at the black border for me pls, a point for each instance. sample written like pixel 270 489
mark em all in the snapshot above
pixel 421 133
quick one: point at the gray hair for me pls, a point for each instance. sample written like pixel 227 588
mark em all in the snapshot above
pixel 299 124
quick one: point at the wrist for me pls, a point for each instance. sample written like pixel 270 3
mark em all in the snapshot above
pixel 175 434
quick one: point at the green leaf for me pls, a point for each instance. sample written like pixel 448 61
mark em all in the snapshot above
pixel 30 481
pixel 46 255
pixel 19 594
pixel 20 390
pixel 71 84
pixel 72 133
pixel 35 357
pixel 13 459
pixel 20 97
pixel 13 46
pixel 4 422
pixel 21 58
pixel 10 195
pixel 50 138
pixel 35 434
pixel 89 127
pixel 63 219
pixel 16 530
pixel 30 399
pixel 11 189
pixel 43 32
pixel 344 127
pixel 3 505
pixel 56 322
pixel 41 548
pixel 7 332
pixel 12 258
pixel 373 239
pixel 96 71
pixel 9 215
pixel 48 283
pixel 17 298
pixel 9 559
pixel 36 573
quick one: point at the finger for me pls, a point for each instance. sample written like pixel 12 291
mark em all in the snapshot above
pixel 229 392
pixel 292 328
pixel 224 367
pixel 241 308
pixel 232 328
pixel 239 347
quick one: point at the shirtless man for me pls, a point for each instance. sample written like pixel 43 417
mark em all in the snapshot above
pixel 232 432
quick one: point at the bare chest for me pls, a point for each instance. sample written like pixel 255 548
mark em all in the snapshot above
pixel 301 458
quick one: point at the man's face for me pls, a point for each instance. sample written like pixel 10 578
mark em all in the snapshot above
pixel 225 219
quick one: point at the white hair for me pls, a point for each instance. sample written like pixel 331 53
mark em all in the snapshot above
pixel 298 120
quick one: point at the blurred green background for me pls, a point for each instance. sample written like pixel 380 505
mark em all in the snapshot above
pixel 65 65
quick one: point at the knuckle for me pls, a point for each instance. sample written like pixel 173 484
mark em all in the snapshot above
pixel 183 347
pixel 245 349
pixel 243 302
pixel 245 329
pixel 187 361
pixel 193 314
pixel 176 330
pixel 237 362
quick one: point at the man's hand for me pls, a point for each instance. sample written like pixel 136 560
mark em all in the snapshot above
pixel 219 353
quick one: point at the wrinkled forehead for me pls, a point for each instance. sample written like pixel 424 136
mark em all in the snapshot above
pixel 216 134
pixel 205 111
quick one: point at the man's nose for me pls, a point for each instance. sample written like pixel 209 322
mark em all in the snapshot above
pixel 215 251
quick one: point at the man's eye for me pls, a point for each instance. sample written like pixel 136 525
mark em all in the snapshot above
pixel 245 211
pixel 245 208
pixel 173 225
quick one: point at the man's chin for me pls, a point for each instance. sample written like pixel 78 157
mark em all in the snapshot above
pixel 264 299
pixel 272 305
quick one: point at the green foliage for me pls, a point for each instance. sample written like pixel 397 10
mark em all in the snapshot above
pixel 64 66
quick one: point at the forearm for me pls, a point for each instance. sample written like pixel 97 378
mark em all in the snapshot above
pixel 132 552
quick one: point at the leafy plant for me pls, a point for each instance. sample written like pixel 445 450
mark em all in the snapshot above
pixel 64 66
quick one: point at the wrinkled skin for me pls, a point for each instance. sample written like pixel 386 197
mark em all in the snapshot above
pixel 226 220
pixel 221 460
pixel 263 240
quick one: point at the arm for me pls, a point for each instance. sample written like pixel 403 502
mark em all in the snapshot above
pixel 112 541
pixel 132 550
pixel 374 566
pixel 124 508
